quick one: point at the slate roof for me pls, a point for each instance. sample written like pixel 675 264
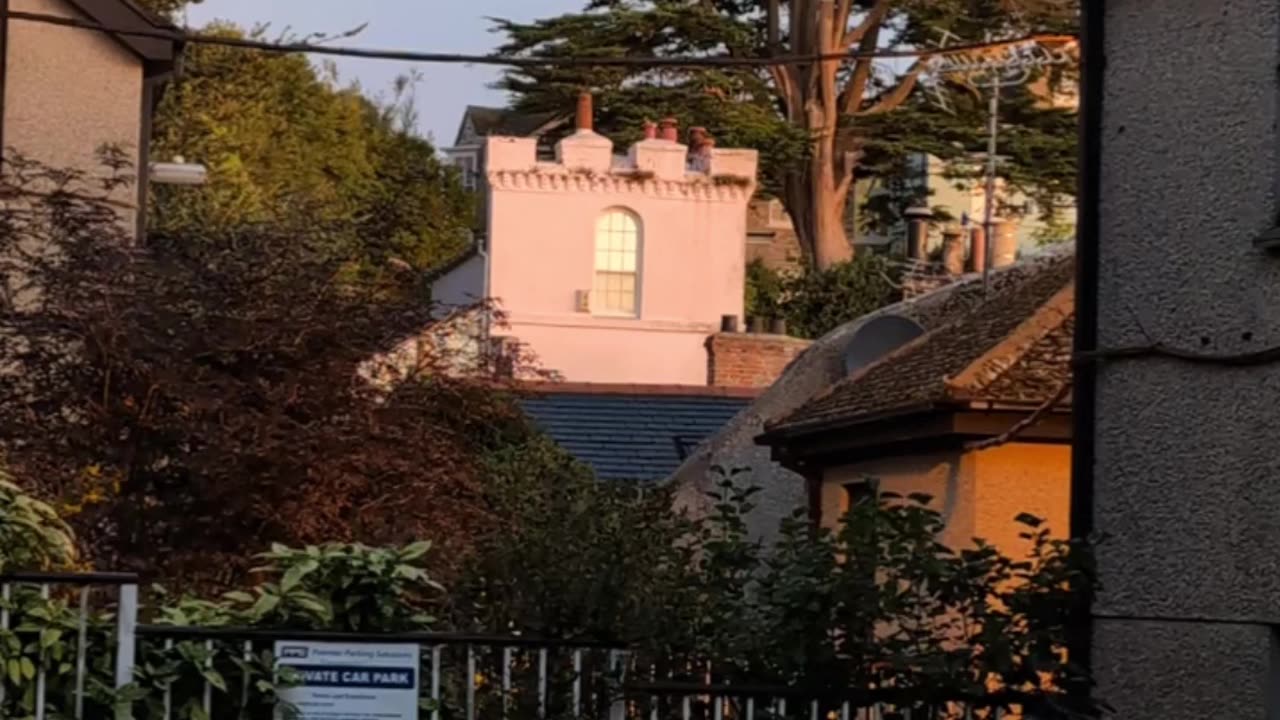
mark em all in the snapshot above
pixel 1013 347
pixel 641 434
pixel 507 122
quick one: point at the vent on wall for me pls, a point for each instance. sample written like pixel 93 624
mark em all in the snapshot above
pixel 878 338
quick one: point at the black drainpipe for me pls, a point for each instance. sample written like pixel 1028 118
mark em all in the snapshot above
pixel 1086 334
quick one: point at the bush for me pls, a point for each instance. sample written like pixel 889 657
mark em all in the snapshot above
pixel 197 396
pixel 876 604
pixel 32 536
pixel 815 302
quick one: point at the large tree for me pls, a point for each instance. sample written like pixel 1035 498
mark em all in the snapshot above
pixel 821 125
pixel 289 145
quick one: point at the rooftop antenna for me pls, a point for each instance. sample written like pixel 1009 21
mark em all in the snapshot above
pixel 990 69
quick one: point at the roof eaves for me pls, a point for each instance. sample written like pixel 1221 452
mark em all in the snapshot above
pixel 126 15
pixel 807 428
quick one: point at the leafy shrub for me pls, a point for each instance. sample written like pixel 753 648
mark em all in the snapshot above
pixel 877 603
pixel 32 536
pixel 815 302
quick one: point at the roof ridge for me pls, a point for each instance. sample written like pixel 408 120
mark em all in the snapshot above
pixel 999 358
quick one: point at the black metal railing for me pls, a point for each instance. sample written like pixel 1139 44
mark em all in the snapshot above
pixel 225 672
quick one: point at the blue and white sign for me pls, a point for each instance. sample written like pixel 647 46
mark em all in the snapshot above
pixel 347 681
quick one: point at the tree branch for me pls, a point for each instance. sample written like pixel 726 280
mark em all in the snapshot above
pixel 871 22
pixel 841 23
pixel 898 95
pixel 857 86
pixel 1012 433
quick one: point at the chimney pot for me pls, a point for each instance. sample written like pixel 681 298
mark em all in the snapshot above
pixel 586 113
pixel 977 249
pixel 755 324
pixel 729 323
pixel 778 326
pixel 953 251
pixel 1004 245
pixel 670 129
pixel 650 130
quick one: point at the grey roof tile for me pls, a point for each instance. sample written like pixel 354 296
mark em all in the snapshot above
pixel 630 437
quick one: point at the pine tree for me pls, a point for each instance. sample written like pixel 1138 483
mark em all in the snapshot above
pixel 820 126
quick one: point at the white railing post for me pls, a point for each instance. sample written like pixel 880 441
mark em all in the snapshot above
pixel 126 643
pixel 126 634
pixel 618 668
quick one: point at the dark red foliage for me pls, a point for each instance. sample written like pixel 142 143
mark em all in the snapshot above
pixel 196 398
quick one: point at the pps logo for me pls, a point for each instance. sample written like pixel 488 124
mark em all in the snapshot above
pixel 293 652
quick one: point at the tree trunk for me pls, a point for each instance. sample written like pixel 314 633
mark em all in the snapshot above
pixel 814 97
pixel 830 243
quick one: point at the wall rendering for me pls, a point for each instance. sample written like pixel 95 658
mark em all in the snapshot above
pixel 1186 460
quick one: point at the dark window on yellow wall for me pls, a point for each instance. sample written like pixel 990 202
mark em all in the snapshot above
pixel 860 492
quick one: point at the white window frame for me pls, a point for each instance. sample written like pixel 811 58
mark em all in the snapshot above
pixel 618 245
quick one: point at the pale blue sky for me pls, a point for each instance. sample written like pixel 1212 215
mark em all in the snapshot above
pixel 429 25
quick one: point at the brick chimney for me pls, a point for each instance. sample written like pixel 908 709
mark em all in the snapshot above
pixel 585 150
pixel 750 360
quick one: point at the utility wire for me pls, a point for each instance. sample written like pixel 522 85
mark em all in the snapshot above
pixel 187 36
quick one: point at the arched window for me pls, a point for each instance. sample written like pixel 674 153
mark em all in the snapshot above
pixel 617 284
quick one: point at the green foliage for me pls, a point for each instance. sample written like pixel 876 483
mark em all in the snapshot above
pixel 561 525
pixel 347 587
pixel 816 302
pixel 736 107
pixel 1054 231
pixel 287 146
pixel 341 587
pixel 32 536
pixel 878 603
pixel 333 587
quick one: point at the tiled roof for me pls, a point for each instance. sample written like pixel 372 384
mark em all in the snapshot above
pixel 631 436
pixel 1014 346
pixel 1038 374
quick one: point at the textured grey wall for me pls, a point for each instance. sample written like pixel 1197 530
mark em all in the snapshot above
pixel 1188 464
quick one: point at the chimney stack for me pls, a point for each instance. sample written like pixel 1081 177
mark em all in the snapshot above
pixel 669 130
pixel 586 113
pixel 744 360
pixel 917 230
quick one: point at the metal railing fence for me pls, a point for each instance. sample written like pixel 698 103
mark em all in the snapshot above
pixel 71 648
